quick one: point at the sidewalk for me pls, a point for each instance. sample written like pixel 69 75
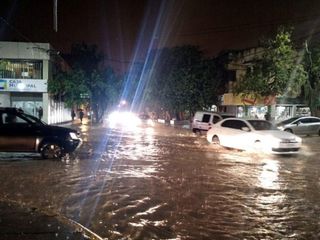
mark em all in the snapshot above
pixel 21 223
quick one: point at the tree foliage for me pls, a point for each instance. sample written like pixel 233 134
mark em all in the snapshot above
pixel 311 92
pixel 183 80
pixel 278 72
pixel 87 82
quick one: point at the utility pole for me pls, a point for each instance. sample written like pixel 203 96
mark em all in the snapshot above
pixel 55 15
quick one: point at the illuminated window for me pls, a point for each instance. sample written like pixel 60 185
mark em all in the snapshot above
pixel 21 69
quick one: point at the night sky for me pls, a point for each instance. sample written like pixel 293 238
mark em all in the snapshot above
pixel 126 29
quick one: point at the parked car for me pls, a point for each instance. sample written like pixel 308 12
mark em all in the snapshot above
pixel 203 120
pixel 255 135
pixel 20 132
pixel 301 125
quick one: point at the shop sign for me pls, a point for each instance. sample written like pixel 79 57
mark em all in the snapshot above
pixel 247 100
pixel 23 85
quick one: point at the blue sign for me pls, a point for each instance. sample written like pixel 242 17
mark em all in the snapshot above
pixel 3 84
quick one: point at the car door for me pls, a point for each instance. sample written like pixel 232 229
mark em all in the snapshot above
pixel 233 134
pixel 304 126
pixel 205 122
pixel 16 134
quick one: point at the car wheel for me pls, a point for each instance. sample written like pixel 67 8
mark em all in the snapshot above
pixel 197 131
pixel 215 140
pixel 288 130
pixel 51 151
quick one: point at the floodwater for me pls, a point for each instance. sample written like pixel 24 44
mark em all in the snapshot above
pixel 167 183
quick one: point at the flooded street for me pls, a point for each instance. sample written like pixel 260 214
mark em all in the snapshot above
pixel 167 183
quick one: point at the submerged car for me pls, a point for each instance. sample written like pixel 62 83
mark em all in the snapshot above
pixel 255 135
pixel 301 125
pixel 21 132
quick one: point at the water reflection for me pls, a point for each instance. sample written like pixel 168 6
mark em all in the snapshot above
pixel 163 183
pixel 269 175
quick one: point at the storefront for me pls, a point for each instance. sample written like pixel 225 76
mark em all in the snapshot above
pixel 257 107
pixel 25 94
pixel 247 105
pixel 24 72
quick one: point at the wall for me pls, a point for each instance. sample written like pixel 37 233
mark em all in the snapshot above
pixel 4 99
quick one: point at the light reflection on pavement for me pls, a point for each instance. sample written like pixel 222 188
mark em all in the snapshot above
pixel 166 183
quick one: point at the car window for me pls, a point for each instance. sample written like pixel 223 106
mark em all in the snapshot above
pixel 290 120
pixel 235 124
pixel 260 125
pixel 216 119
pixel 9 118
pixel 315 120
pixel 206 118
pixel 227 116
pixel 306 120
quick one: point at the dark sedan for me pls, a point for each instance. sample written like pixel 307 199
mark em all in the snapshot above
pixel 20 132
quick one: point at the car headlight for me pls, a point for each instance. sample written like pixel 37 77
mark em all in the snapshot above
pixel 73 135
pixel 280 128
pixel 298 139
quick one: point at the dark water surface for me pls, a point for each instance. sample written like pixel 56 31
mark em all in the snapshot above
pixel 166 183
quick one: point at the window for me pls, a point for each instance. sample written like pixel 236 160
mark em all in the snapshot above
pixel 216 119
pixel 8 118
pixel 206 118
pixel 315 120
pixel 260 125
pixel 21 69
pixel 306 120
pixel 235 124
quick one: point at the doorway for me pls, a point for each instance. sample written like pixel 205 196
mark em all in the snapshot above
pixel 28 102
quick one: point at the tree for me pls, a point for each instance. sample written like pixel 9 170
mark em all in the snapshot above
pixel 87 81
pixel 104 91
pixel 311 88
pixel 182 80
pixel 69 87
pixel 278 72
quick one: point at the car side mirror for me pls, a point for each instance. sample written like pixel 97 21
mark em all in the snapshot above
pixel 246 129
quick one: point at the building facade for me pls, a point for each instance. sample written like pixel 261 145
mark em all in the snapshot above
pixel 25 69
pixel 255 106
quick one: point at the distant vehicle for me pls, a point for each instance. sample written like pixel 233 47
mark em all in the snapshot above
pixel 145 119
pixel 301 125
pixel 128 120
pixel 20 132
pixel 203 120
pixel 253 135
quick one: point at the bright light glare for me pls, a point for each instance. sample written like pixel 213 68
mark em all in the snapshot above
pixel 123 119
pixel 150 122
pixel 21 86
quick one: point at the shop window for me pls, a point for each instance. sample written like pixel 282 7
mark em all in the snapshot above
pixel 21 69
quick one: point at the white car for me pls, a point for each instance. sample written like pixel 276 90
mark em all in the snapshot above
pixel 203 120
pixel 255 135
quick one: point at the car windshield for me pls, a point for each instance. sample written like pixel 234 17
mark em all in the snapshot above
pixel 260 125
pixel 288 120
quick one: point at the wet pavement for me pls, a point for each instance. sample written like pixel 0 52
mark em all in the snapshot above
pixel 18 222
pixel 167 183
